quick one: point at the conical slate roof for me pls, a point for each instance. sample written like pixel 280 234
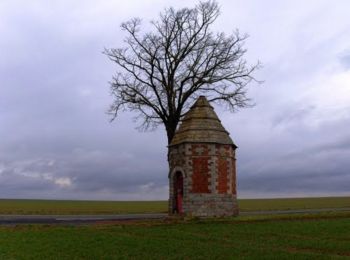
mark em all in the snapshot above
pixel 201 124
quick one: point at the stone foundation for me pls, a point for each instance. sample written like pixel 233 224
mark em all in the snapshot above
pixel 209 205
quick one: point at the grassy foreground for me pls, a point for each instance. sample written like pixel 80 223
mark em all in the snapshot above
pixel 321 236
pixel 122 207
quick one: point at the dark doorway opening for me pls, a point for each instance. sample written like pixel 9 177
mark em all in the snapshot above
pixel 178 193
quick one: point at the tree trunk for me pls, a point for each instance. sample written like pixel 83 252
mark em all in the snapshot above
pixel 170 130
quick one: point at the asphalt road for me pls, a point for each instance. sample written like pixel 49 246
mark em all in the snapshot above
pixel 86 219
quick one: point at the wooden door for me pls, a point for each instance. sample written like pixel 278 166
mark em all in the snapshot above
pixel 178 188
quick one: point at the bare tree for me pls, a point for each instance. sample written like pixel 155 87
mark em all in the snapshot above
pixel 165 70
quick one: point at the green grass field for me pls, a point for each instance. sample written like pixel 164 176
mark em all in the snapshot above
pixel 123 207
pixel 294 203
pixel 65 207
pixel 320 236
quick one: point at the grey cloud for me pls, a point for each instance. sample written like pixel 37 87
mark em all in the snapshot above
pixel 345 60
pixel 341 145
pixel 292 115
pixel 297 161
pixel 89 172
pixel 303 173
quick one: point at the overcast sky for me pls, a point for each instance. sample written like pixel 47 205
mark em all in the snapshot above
pixel 56 141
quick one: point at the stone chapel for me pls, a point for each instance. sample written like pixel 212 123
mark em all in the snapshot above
pixel 202 175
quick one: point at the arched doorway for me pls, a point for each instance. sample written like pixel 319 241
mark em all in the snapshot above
pixel 178 192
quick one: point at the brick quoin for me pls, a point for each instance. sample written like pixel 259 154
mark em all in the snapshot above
pixel 222 175
pixel 233 162
pixel 200 176
pixel 199 149
pixel 223 150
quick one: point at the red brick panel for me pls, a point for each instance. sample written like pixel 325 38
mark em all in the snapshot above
pixel 200 176
pixel 222 175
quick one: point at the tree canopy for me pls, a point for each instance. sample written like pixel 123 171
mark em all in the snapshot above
pixel 161 72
